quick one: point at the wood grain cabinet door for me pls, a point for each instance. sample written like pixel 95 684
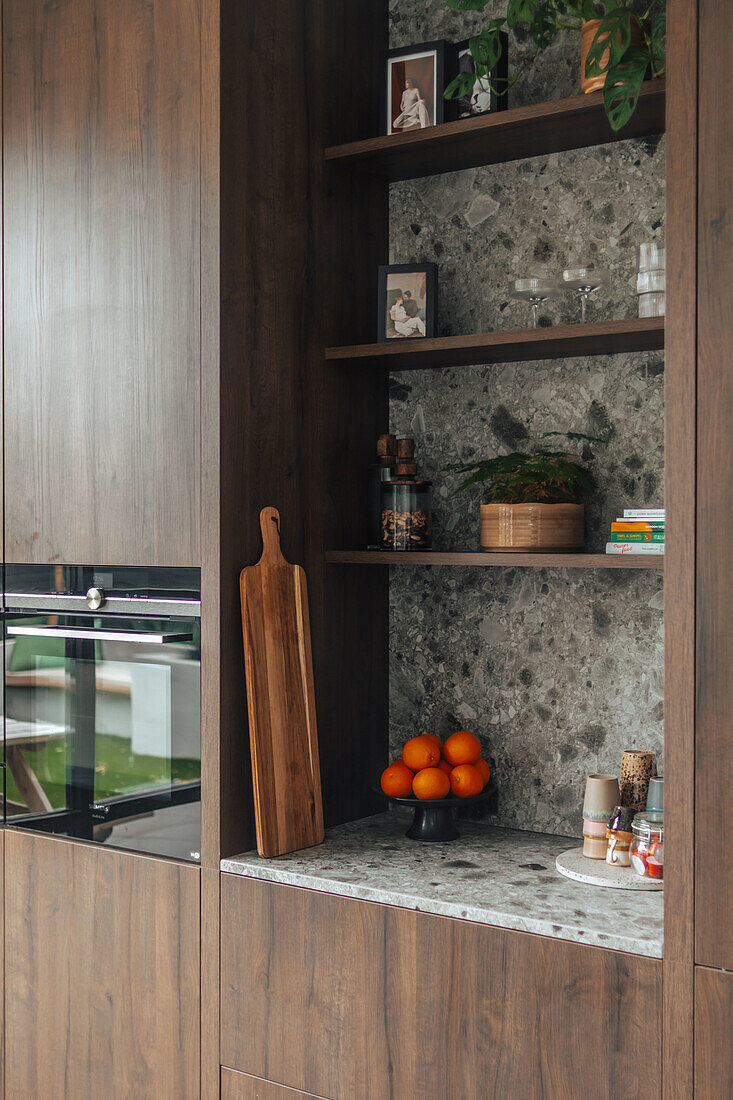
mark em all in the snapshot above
pixel 102 982
pixel 713 1034
pixel 101 146
pixel 352 1000
pixel 714 610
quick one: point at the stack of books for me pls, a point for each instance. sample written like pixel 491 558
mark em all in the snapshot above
pixel 638 531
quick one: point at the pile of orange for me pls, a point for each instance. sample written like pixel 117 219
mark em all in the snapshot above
pixel 431 769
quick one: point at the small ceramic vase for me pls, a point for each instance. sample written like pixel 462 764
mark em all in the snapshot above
pixel 601 795
pixel 637 768
pixel 619 837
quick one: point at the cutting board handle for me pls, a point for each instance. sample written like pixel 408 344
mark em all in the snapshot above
pixel 270 527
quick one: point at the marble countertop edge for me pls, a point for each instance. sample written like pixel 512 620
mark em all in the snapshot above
pixel 351 880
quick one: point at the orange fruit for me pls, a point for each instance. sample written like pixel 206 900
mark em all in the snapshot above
pixel 430 783
pixel 434 737
pixel 483 769
pixel 445 767
pixel 420 752
pixel 397 780
pixel 461 748
pixel 465 781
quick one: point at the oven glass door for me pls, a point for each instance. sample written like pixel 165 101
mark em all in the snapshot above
pixel 102 729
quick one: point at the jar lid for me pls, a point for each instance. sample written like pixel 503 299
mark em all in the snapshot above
pixel 648 824
pixel 408 481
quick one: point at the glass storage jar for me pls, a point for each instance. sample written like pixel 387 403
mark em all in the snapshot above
pixel 405 515
pixel 647 845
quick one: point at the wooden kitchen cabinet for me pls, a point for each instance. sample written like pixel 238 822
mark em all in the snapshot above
pixel 102 149
pixel 714 745
pixel 713 1034
pixel 349 999
pixel 103 973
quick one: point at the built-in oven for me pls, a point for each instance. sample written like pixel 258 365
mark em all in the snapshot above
pixel 102 705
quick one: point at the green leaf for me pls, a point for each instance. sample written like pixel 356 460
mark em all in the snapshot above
pixel 485 50
pixel 461 85
pixel 657 35
pixel 520 11
pixel 467 5
pixel 613 35
pixel 623 83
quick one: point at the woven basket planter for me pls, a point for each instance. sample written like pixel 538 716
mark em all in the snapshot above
pixel 532 528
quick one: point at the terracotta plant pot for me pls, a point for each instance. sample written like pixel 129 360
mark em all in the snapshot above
pixel 587 34
pixel 532 528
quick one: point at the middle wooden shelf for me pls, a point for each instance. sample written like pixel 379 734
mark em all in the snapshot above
pixel 507 346
pixel 536 561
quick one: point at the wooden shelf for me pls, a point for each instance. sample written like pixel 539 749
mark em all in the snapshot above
pixel 535 561
pixel 542 128
pixel 509 346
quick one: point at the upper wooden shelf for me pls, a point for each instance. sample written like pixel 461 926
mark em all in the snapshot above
pixel 536 561
pixel 534 131
pixel 508 346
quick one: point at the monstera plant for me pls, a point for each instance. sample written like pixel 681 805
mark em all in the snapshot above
pixel 623 41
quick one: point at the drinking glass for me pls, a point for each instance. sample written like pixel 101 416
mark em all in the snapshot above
pixel 585 281
pixel 534 290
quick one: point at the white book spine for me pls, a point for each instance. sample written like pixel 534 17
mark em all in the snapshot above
pixel 634 547
pixel 644 513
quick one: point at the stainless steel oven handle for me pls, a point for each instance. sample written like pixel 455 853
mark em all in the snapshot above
pixel 156 637
pixel 113 605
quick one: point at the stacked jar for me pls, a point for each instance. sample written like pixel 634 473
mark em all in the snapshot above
pixel 651 280
pixel 405 504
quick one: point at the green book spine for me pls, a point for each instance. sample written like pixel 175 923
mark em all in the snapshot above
pixel 637 536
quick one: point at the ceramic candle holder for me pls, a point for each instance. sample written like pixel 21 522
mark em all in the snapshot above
pixel 601 795
pixel 619 837
pixel 637 768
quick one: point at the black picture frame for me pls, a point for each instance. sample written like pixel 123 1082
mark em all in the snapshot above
pixel 499 75
pixel 430 271
pixel 444 59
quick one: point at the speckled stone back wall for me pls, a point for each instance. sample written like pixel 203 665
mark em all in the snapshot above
pixel 557 671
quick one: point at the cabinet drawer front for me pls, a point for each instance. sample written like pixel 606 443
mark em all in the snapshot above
pixel 349 999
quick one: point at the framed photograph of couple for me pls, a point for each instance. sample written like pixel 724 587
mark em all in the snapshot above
pixel 414 79
pixel 407 301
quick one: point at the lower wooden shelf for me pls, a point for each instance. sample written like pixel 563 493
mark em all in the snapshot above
pixel 536 561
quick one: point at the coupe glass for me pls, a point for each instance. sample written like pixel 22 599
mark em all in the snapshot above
pixel 534 290
pixel 586 281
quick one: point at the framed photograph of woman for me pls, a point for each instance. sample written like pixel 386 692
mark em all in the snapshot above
pixel 414 79
pixel 483 97
pixel 407 301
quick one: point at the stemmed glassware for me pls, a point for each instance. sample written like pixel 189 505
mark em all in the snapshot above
pixel 535 290
pixel 586 281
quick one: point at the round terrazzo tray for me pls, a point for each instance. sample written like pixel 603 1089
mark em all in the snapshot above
pixel 596 872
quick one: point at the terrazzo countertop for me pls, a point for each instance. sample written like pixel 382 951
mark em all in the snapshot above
pixel 502 877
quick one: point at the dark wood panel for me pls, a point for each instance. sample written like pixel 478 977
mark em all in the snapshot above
pixel 532 561
pixel 406 1004
pixel 679 575
pixel 101 146
pixel 713 1031
pixel 283 427
pixel 512 345
pixel 240 1086
pixel 509 135
pixel 714 745
pixel 102 982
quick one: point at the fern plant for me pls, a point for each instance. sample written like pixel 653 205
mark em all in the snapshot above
pixel 543 477
pixel 612 53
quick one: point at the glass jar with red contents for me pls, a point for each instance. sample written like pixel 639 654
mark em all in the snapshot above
pixel 647 845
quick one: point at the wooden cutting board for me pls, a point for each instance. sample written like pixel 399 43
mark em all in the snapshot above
pixel 280 699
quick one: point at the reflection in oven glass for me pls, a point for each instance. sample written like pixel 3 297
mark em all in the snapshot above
pixel 102 737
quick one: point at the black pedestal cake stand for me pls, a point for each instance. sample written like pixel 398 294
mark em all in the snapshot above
pixel 433 818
